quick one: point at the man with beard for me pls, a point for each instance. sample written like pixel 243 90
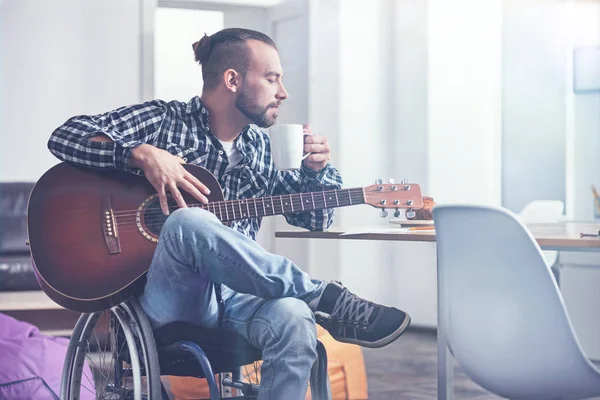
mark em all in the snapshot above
pixel 204 272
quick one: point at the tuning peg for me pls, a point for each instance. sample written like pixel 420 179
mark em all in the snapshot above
pixel 383 213
pixel 410 214
pixel 397 213
pixel 378 181
pixel 391 180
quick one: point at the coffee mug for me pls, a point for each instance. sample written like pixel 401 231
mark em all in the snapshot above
pixel 287 146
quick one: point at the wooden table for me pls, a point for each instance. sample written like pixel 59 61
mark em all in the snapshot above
pixel 550 236
pixel 562 236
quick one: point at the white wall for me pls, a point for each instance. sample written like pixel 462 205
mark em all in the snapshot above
pixel 60 59
pixel 533 102
pixel 580 275
pixel 412 272
pixel 464 100
pixel 583 116
pixel 177 75
pixel 365 134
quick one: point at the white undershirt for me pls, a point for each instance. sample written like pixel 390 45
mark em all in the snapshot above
pixel 233 154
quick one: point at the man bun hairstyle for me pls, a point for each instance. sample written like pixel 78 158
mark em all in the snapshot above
pixel 202 49
pixel 226 49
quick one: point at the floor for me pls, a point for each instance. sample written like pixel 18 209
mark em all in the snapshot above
pixel 407 370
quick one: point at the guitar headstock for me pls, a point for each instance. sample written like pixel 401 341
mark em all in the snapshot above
pixel 402 195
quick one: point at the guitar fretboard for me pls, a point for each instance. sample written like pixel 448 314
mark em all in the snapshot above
pixel 230 210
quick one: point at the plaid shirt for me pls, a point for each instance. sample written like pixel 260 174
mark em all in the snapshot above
pixel 183 129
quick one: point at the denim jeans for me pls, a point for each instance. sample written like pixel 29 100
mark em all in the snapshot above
pixel 265 296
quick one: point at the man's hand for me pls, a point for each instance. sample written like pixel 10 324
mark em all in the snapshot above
pixel 165 172
pixel 317 145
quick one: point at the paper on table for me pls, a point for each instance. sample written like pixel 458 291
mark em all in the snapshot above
pixel 359 230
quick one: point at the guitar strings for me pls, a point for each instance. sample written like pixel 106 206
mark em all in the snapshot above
pixel 236 202
pixel 125 227
pixel 249 212
pixel 248 202
pixel 122 222
pixel 253 210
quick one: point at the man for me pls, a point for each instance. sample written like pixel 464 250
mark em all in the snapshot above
pixel 204 272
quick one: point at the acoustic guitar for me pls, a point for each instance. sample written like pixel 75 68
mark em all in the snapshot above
pixel 92 233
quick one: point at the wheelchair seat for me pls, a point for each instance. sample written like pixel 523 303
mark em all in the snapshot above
pixel 225 350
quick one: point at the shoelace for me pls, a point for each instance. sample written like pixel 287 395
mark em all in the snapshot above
pixel 351 309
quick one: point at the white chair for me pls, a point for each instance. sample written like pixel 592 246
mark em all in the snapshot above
pixel 540 211
pixel 503 314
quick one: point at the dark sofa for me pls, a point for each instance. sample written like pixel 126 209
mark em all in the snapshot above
pixel 16 268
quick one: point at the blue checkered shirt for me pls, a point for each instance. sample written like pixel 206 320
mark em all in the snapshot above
pixel 183 129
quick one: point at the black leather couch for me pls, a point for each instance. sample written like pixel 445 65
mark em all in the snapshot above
pixel 16 268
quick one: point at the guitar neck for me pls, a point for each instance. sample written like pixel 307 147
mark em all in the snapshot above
pixel 231 210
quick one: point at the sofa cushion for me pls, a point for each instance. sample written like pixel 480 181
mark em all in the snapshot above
pixel 13 216
pixel 16 273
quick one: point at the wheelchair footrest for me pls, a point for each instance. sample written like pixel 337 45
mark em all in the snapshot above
pixel 246 388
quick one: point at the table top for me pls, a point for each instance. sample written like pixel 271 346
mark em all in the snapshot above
pixel 563 235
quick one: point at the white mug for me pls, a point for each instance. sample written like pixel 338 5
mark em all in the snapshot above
pixel 287 146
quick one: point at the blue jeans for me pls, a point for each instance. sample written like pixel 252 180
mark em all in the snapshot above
pixel 265 296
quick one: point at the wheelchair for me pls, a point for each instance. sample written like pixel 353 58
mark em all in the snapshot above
pixel 114 354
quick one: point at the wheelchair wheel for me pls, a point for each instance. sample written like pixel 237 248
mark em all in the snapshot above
pixel 112 355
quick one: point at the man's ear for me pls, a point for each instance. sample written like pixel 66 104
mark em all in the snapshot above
pixel 232 79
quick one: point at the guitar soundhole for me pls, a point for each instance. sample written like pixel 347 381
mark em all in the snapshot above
pixel 154 219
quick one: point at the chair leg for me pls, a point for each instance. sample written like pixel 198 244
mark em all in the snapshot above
pixel 204 364
pixel 319 379
pixel 556 272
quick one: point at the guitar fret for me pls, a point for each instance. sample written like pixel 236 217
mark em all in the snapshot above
pixel 233 209
pixel 291 202
pixel 349 196
pixel 301 203
pixel 312 197
pixel 262 200
pixel 220 212
pixel 240 206
pixel 324 200
pixel 337 201
pixel 281 201
pixel 255 208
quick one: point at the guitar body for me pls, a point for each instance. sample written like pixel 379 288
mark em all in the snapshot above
pixel 90 235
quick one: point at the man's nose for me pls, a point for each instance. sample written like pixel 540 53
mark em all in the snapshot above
pixel 282 94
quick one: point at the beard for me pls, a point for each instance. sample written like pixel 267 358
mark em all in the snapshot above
pixel 255 113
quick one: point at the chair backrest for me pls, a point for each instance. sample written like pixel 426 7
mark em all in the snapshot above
pixel 539 211
pixel 501 309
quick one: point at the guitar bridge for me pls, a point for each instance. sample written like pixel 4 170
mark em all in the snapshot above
pixel 109 227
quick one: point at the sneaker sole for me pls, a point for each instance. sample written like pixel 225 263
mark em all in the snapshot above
pixel 381 342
